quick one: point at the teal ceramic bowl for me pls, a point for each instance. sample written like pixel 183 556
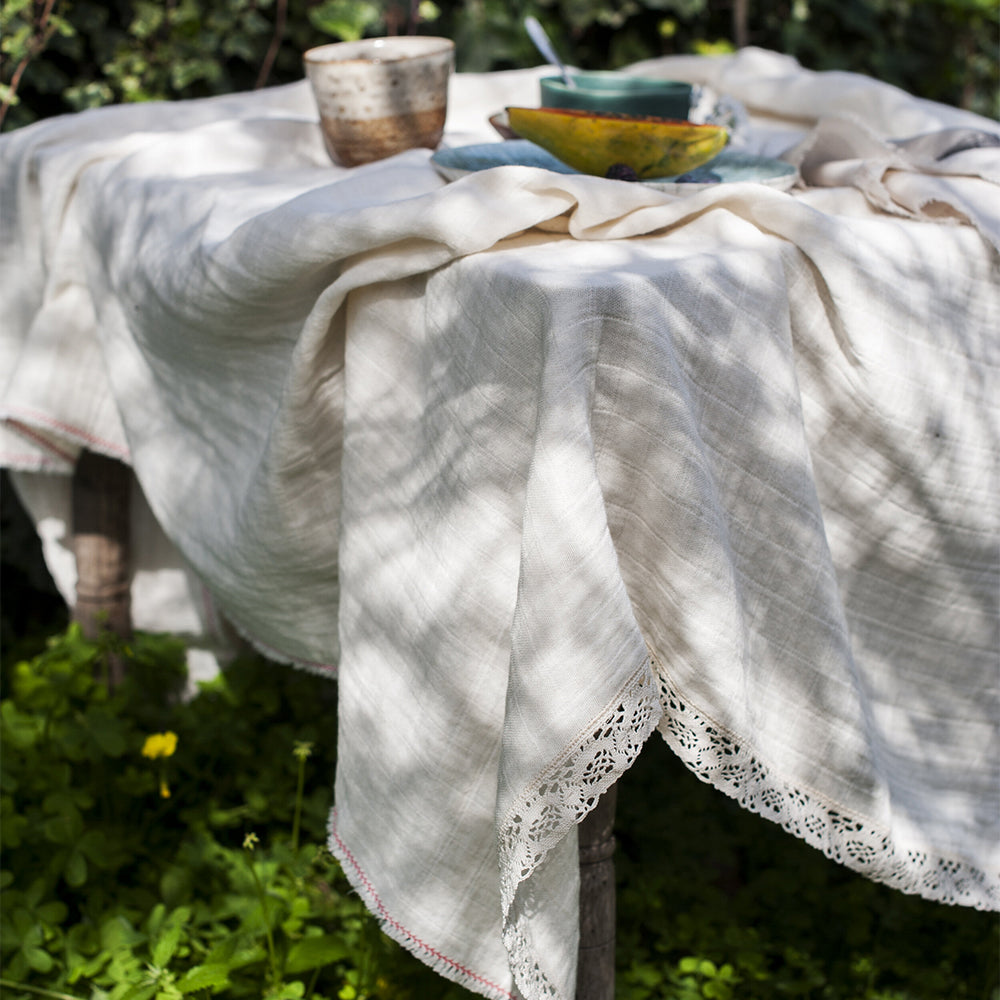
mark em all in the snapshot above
pixel 617 93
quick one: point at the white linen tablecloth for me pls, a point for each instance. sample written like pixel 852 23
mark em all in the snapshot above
pixel 541 463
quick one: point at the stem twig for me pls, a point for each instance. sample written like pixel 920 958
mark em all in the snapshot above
pixel 267 922
pixel 37 990
pixel 43 32
pixel 280 15
pixel 298 805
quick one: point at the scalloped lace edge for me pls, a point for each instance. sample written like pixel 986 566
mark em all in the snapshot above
pixel 720 759
pixel 604 751
pixel 564 794
pixel 570 788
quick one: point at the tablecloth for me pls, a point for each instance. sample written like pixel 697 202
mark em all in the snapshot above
pixel 540 464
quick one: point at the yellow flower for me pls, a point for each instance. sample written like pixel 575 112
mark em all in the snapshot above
pixel 160 745
pixel 164 789
pixel 303 749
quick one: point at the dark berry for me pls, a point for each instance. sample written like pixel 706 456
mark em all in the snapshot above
pixel 621 172
pixel 699 176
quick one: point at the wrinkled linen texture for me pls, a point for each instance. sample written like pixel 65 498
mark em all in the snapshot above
pixel 539 464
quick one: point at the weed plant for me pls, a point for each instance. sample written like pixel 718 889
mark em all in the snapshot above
pixel 156 848
pixel 720 904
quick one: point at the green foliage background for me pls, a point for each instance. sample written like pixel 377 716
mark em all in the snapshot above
pixel 111 891
pixel 65 55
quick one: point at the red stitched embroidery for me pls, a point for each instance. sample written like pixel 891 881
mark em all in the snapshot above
pixel 398 926
pixel 25 431
pixel 48 421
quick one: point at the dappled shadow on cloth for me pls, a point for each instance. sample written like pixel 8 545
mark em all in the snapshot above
pixel 631 464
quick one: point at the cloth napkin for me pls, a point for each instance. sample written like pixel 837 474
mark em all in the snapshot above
pixel 931 177
pixel 539 464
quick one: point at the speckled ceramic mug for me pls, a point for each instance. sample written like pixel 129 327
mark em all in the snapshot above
pixel 380 96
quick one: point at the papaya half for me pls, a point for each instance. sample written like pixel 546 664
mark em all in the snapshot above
pixel 594 143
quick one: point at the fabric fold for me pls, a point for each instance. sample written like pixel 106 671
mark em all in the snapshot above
pixel 950 175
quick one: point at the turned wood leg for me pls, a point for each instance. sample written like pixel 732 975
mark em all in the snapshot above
pixel 596 961
pixel 101 488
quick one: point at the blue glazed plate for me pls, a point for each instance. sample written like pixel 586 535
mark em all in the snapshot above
pixel 729 167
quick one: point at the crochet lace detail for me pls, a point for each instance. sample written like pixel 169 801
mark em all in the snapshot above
pixel 531 982
pixel 721 760
pixel 571 788
pixel 557 802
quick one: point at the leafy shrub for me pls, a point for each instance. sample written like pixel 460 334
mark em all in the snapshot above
pixel 199 868
pixel 138 866
pixel 62 55
pixel 717 903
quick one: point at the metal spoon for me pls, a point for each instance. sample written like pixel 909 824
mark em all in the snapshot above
pixel 537 34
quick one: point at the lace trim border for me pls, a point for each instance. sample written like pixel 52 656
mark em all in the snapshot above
pixel 718 758
pixel 564 794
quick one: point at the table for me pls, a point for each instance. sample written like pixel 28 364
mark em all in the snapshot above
pixel 542 464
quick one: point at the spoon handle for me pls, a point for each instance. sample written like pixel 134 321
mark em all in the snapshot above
pixel 537 34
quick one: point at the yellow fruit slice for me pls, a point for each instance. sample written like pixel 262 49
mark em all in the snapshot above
pixel 593 143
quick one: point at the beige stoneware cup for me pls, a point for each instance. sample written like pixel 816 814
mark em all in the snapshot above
pixel 380 96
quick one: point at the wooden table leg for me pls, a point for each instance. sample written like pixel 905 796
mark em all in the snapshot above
pixel 101 488
pixel 596 962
